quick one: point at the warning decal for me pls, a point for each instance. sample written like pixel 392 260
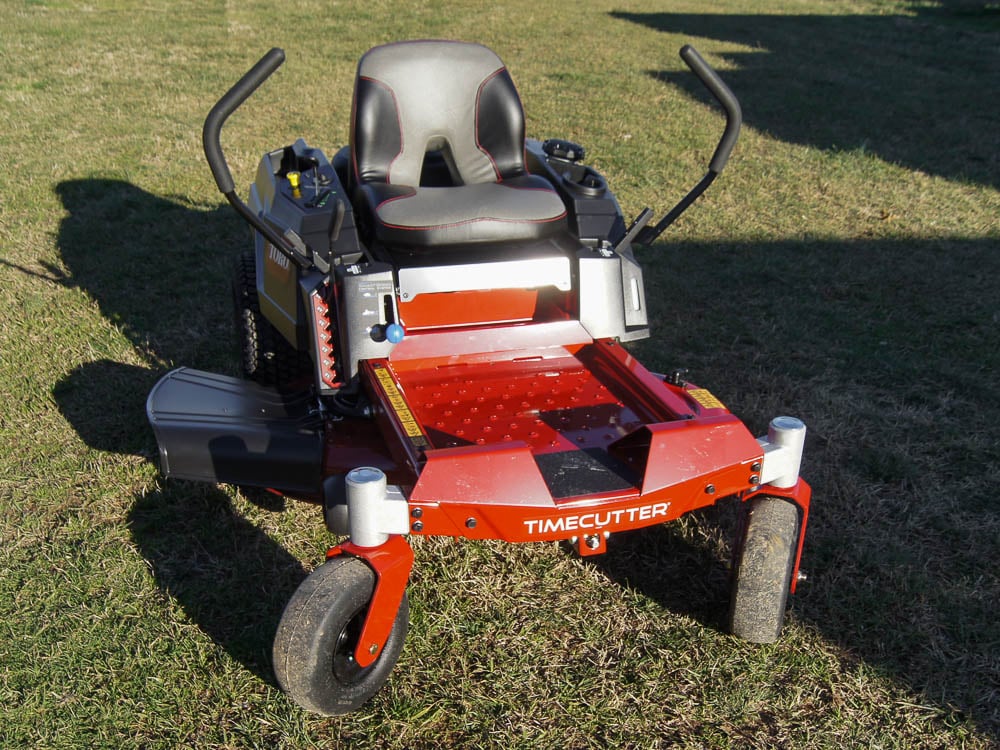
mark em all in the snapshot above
pixel 398 403
pixel 705 399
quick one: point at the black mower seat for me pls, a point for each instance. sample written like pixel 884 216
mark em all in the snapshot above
pixel 456 101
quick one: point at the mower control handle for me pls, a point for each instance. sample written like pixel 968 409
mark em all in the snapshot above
pixel 725 97
pixel 289 245
pixel 734 120
pixel 228 104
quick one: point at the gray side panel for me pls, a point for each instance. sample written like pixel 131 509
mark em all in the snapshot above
pixel 612 298
pixel 602 310
pixel 633 291
pixel 367 298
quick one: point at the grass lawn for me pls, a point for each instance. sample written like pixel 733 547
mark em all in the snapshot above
pixel 845 269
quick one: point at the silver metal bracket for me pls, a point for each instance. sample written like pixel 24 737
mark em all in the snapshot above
pixel 782 451
pixel 375 511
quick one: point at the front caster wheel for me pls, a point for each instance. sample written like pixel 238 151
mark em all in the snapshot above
pixel 764 570
pixel 314 646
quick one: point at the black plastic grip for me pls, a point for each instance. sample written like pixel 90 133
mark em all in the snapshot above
pixel 734 120
pixel 725 97
pixel 228 104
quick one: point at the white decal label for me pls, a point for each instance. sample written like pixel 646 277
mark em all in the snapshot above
pixel 276 257
pixel 597 520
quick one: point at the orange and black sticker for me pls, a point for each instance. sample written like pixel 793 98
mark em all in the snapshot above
pixel 705 399
pixel 403 414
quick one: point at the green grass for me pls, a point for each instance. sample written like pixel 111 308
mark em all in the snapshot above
pixel 844 269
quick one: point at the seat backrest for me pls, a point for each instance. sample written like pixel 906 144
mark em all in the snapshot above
pixel 411 98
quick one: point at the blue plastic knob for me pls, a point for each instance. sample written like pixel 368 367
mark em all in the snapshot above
pixel 394 333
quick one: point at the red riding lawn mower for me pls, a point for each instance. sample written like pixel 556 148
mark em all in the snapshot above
pixel 432 328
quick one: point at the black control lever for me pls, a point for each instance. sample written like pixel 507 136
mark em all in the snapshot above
pixel 734 120
pixel 228 104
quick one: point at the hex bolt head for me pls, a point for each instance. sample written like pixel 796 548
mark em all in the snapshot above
pixel 709 489
pixel 470 523
pixel 593 542
pixel 418 526
pixel 755 467
pixel 417 512
pixel 754 479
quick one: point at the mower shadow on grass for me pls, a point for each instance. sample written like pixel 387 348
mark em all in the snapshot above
pixel 685 575
pixel 159 271
pixel 888 350
pixel 232 580
pixel 909 89
pixel 158 268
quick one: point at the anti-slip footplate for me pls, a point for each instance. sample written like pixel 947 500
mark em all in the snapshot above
pixel 569 409
pixel 584 472
pixel 553 405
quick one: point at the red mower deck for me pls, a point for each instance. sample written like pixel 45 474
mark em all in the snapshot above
pixel 570 442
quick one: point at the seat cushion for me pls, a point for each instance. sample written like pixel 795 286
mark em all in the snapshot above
pixel 520 208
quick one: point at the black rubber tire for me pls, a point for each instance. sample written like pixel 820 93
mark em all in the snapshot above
pixel 266 357
pixel 314 646
pixel 764 569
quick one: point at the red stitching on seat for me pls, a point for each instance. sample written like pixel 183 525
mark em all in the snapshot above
pixel 399 127
pixel 466 221
pixel 479 93
pixel 395 198
pixel 474 221
pixel 526 187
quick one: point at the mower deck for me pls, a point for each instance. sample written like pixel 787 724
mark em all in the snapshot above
pixel 550 441
pixel 535 440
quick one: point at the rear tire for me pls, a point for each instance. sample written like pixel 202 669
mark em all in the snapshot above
pixel 266 357
pixel 319 630
pixel 764 570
